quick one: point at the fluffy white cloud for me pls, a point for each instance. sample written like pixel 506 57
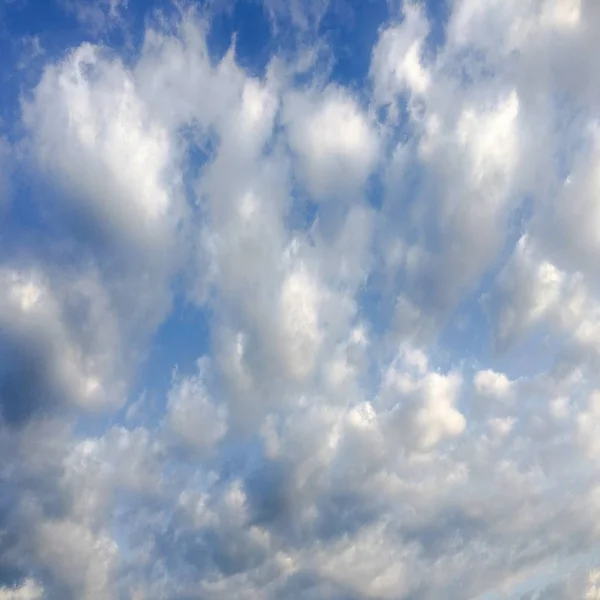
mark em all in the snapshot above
pixel 426 412
pixel 114 160
pixel 397 65
pixel 336 145
pixel 493 385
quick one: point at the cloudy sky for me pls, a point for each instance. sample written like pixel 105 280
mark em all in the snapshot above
pixel 299 300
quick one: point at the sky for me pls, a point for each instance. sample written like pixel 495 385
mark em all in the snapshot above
pixel 299 300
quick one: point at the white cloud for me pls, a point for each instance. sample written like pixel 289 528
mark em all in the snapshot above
pixel 423 409
pixel 81 560
pixel 192 415
pixel 115 174
pixel 468 158
pixel 335 143
pixel 397 66
pixel 95 469
pixel 493 385
pixel 366 566
pixel 572 212
pixel 29 590
pixel 114 159
pixel 533 290
pixel 300 322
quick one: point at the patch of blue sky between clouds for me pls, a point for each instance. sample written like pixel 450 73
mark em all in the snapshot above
pixel 299 300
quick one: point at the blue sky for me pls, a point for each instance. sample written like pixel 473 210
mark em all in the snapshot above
pixel 299 300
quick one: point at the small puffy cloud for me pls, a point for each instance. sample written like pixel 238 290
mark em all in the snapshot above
pixel 490 384
pixel 397 65
pixel 301 334
pixel 336 144
pixel 192 416
pixel 501 427
pixel 425 413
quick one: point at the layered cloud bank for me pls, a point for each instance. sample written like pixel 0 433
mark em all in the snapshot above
pixel 282 333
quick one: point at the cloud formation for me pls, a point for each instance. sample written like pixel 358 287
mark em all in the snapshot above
pixel 399 394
